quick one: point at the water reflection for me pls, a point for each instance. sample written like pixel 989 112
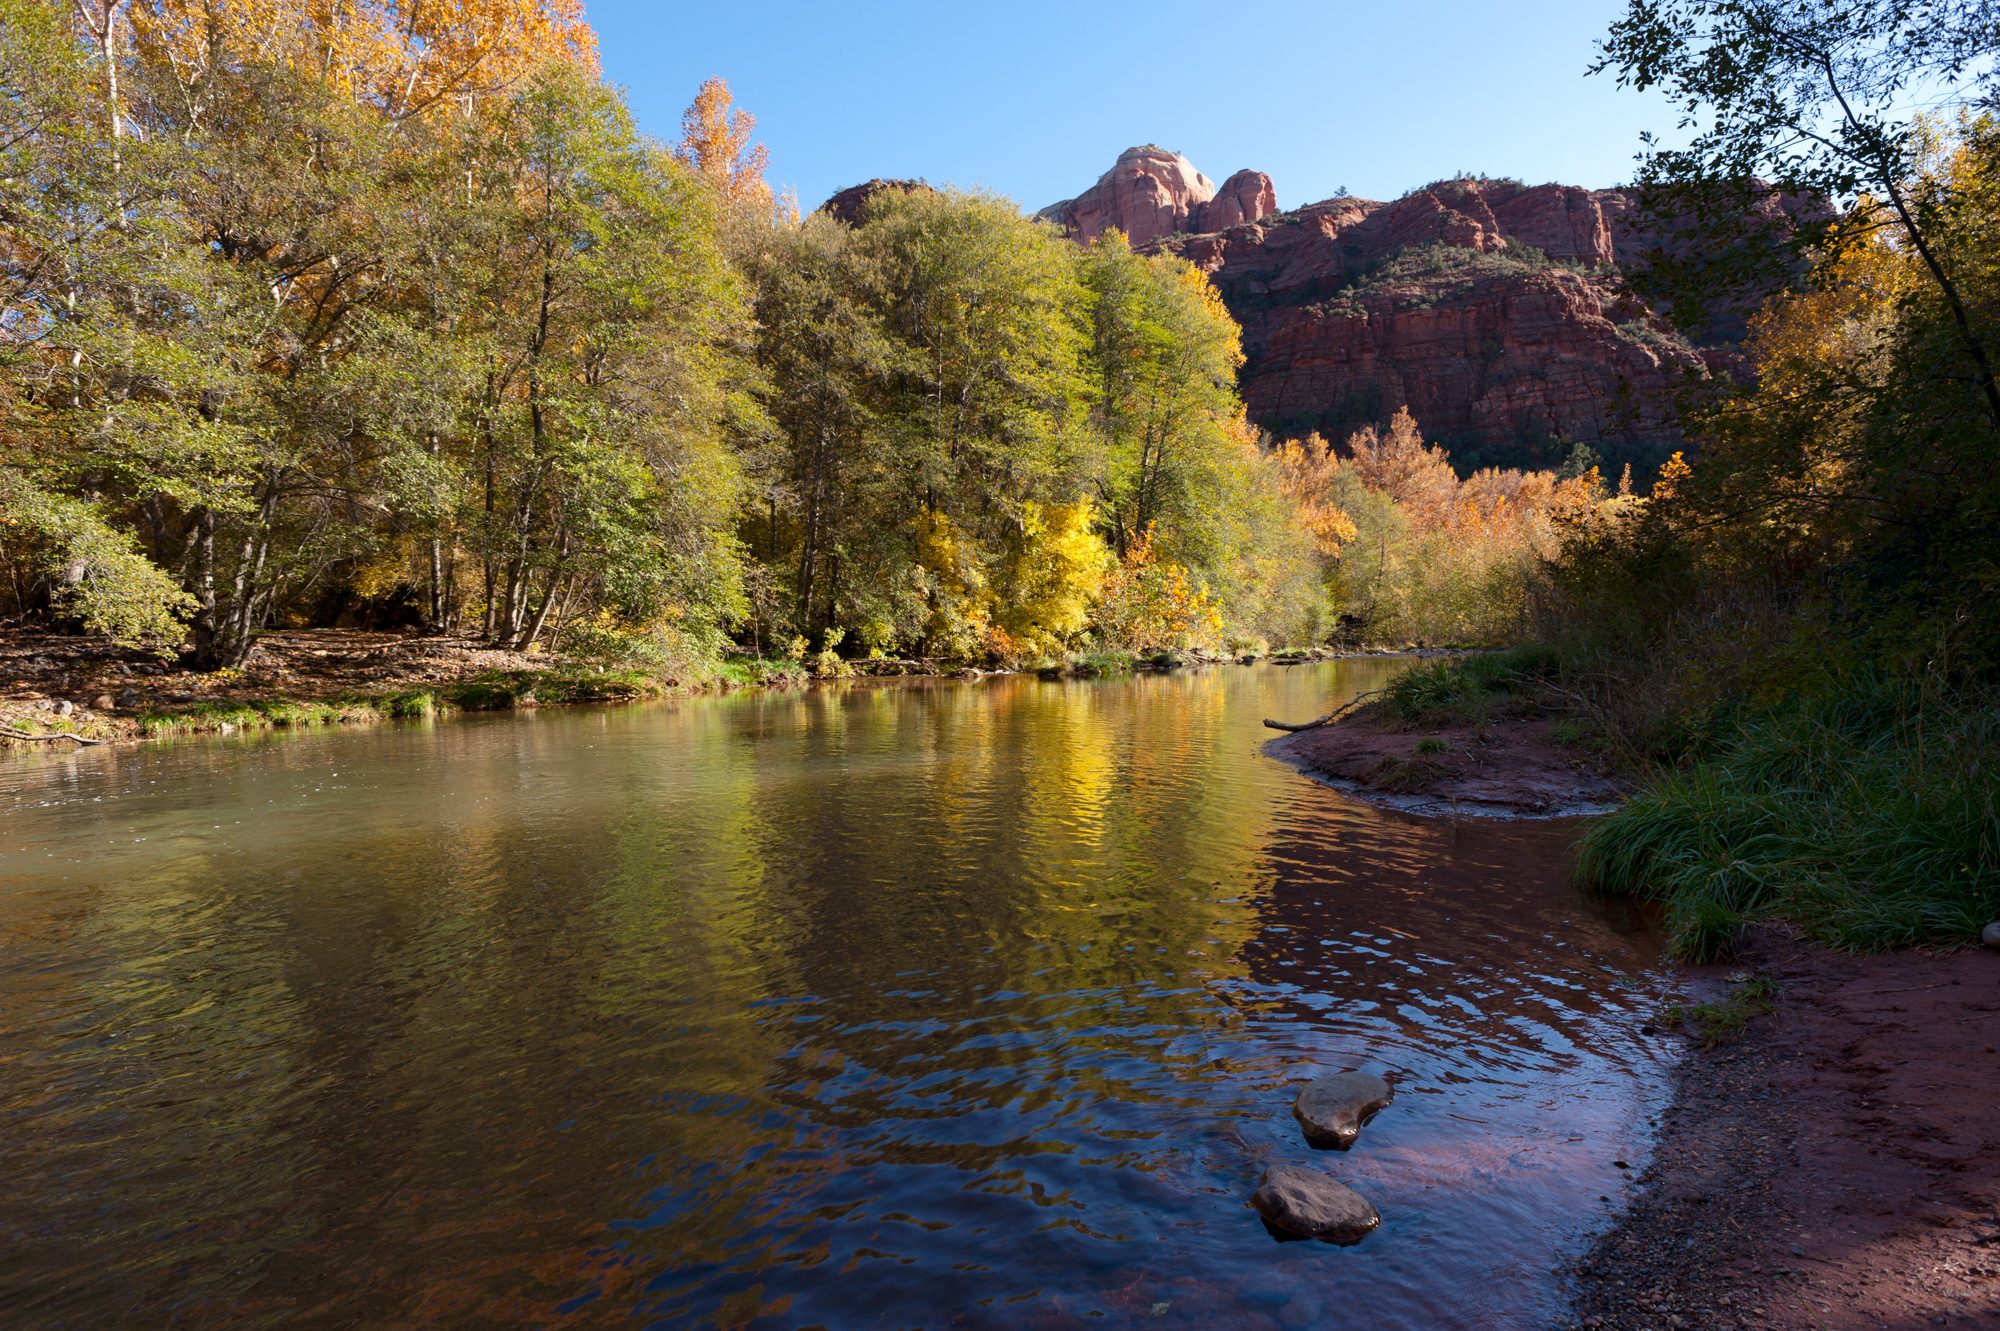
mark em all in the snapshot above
pixel 939 1004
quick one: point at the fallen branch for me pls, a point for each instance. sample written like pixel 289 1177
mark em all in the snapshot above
pixel 1331 717
pixel 52 735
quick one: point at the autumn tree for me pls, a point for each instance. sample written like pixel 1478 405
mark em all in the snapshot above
pixel 716 142
pixel 1812 96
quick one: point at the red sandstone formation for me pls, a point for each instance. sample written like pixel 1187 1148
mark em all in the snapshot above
pixel 1494 311
pixel 1150 194
pixel 846 205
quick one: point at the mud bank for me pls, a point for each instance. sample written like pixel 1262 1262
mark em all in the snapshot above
pixel 1509 767
pixel 1836 1166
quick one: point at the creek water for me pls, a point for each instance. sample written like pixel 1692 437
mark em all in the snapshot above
pixel 941 1004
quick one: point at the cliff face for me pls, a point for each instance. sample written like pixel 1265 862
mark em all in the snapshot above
pixel 1494 311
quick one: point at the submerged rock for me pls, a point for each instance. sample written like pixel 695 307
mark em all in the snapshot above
pixel 1332 1109
pixel 1314 1205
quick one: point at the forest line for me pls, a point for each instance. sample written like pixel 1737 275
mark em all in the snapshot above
pixel 393 317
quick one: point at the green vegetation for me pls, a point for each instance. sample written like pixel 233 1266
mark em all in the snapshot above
pixel 1469 689
pixel 1797 635
pixel 1867 812
pixel 1421 276
pixel 493 692
pixel 1749 998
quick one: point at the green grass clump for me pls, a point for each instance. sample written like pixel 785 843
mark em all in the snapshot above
pixel 1468 689
pixel 1713 1023
pixel 258 715
pixel 1098 665
pixel 754 672
pixel 414 705
pixel 1869 815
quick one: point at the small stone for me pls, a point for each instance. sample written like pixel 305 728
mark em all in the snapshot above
pixel 1990 935
pixel 65 707
pixel 1333 1109
pixel 104 702
pixel 1315 1205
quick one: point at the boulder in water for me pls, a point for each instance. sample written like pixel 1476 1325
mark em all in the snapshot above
pixel 1314 1205
pixel 1332 1109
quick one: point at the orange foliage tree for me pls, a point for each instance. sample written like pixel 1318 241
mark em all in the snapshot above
pixel 404 56
pixel 1149 604
pixel 715 141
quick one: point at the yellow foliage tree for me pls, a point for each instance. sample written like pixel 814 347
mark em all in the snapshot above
pixel 715 141
pixel 1149 603
pixel 952 583
pixel 1054 572
pixel 404 55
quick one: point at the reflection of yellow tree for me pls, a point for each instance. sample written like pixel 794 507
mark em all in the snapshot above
pixel 687 932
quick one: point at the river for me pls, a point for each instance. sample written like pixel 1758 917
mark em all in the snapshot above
pixel 925 1004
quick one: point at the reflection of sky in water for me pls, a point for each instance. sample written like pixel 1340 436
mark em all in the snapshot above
pixel 963 1004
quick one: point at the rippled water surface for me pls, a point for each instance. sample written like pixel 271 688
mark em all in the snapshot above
pixel 948 1005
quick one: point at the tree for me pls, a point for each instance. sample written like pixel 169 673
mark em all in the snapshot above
pixel 313 348
pixel 1167 352
pixel 716 144
pixel 1808 94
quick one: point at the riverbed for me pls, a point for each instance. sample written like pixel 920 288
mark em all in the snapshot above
pixel 926 1003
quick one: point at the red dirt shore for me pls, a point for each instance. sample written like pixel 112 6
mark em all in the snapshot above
pixel 1836 1167
pixel 1510 767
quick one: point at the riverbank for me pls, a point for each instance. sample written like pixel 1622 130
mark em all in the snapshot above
pixel 1509 768
pixel 1472 735
pixel 1835 1165
pixel 53 688
pixel 65 692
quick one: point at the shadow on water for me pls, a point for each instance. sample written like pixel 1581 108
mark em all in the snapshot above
pixel 936 1004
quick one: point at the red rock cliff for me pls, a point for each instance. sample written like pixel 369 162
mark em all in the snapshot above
pixel 1493 310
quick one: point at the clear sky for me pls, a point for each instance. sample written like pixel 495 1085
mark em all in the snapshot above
pixel 1035 100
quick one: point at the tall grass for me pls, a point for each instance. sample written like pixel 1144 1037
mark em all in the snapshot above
pixel 1473 688
pixel 1867 813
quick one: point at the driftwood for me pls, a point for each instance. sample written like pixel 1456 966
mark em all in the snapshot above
pixel 50 737
pixel 1331 717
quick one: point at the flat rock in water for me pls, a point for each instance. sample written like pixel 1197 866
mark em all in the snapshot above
pixel 1332 1109
pixel 1314 1205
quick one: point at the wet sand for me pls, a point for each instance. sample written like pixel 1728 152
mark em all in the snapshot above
pixel 1837 1166
pixel 1510 767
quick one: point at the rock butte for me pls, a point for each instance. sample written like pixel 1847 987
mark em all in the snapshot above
pixel 1332 1109
pixel 1314 1205
pixel 1491 346
pixel 1150 194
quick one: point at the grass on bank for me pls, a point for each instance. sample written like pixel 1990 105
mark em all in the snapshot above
pixel 1864 809
pixel 1712 1023
pixel 1465 690
pixel 496 691
pixel 1868 814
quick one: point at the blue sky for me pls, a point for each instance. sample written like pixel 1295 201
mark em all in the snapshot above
pixel 1035 100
